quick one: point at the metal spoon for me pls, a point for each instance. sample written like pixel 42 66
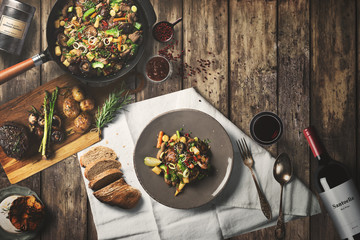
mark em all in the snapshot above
pixel 282 173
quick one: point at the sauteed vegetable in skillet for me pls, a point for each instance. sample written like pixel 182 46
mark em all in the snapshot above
pixel 97 37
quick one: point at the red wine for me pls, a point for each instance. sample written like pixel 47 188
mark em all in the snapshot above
pixel 337 190
pixel 266 128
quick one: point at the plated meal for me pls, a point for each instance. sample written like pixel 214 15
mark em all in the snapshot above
pixel 102 169
pixel 26 213
pixel 181 158
pixel 22 213
pixel 97 38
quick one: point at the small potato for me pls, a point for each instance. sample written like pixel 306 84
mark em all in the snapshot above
pixel 78 94
pixel 87 105
pixel 82 122
pixel 71 108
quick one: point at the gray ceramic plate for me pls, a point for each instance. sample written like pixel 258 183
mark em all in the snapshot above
pixel 7 196
pixel 200 125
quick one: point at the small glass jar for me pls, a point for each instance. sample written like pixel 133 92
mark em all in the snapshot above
pixel 158 69
pixel 15 20
pixel 266 128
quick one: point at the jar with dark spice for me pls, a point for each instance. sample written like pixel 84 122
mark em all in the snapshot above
pixel 158 69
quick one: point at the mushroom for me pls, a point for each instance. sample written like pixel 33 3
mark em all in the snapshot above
pixel 90 31
pixel 41 121
pixel 104 11
pixel 124 7
pixel 103 60
pixel 62 39
pixel 131 17
pixel 85 66
pixel 124 54
pixel 39 131
pixel 57 136
pixel 126 28
pixel 203 148
pixel 56 122
pixel 170 156
pixel 180 147
pixel 74 68
pixel 135 36
pixel 33 118
pixel 64 10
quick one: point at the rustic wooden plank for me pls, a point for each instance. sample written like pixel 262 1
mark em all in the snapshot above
pixel 23 84
pixel 165 11
pixel 253 65
pixel 64 193
pixel 293 94
pixel 358 90
pixel 333 92
pixel 206 50
pixel 62 181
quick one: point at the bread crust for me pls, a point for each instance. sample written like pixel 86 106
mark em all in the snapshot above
pixel 100 166
pixel 119 193
pixel 105 178
pixel 95 153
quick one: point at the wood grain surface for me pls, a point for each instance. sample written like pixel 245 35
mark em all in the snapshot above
pixel 297 58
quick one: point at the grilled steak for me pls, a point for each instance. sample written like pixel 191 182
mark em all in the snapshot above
pixel 14 139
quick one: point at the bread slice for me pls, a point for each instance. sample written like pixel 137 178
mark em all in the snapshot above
pixel 105 178
pixel 97 153
pixel 100 166
pixel 119 193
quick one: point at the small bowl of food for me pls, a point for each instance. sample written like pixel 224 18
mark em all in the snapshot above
pixel 22 213
pixel 158 69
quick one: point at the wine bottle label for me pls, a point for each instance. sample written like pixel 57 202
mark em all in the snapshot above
pixel 343 205
pixel 12 27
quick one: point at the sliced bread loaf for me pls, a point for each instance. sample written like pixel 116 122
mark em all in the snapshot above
pixel 97 153
pixel 105 178
pixel 100 166
pixel 119 193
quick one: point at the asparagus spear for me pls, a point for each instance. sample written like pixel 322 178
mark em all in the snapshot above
pixel 48 116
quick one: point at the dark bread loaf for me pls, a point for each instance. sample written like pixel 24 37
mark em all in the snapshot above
pixel 100 166
pixel 105 178
pixel 119 193
pixel 97 153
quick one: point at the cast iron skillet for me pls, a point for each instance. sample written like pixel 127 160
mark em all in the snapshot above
pixel 147 18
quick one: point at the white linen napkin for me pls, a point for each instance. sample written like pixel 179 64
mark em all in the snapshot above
pixel 235 211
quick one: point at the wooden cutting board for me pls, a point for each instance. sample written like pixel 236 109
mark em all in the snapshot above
pixel 17 110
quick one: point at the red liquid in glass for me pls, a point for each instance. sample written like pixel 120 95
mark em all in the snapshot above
pixel 266 128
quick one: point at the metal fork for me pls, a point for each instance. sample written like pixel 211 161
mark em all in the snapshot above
pixel 249 162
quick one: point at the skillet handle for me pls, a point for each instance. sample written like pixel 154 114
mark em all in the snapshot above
pixel 149 12
pixel 17 69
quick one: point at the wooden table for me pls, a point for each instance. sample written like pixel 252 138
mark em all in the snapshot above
pixel 298 59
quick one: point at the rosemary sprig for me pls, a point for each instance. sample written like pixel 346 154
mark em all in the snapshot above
pixel 114 103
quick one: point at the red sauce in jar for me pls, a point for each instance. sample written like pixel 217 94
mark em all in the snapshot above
pixel 157 68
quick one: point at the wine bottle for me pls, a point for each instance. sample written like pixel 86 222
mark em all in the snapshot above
pixel 336 189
